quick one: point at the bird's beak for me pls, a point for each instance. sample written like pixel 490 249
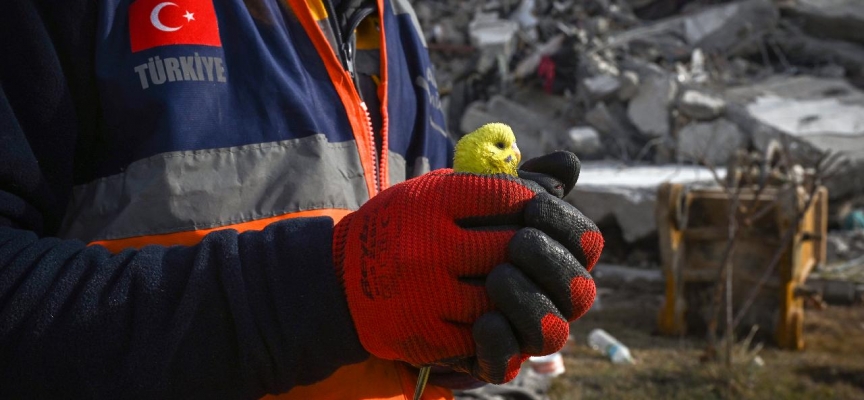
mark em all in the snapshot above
pixel 518 153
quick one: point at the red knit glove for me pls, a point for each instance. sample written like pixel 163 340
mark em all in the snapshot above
pixel 425 269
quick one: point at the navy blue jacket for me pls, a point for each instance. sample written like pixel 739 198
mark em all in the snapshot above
pixel 103 142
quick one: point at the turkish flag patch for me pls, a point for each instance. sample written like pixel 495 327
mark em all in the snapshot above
pixel 154 23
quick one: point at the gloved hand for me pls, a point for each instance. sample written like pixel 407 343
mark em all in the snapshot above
pixel 468 271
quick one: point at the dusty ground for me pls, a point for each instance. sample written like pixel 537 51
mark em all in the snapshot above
pixel 831 366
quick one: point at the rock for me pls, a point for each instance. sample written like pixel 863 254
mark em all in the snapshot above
pixel 711 143
pixel 649 110
pixel 728 28
pixel 628 195
pixel 724 27
pixel 816 115
pixel 806 50
pixel 629 85
pixel 835 19
pixel 601 87
pixel 612 122
pixel 584 141
pixel 524 14
pixel 599 117
pixel 701 106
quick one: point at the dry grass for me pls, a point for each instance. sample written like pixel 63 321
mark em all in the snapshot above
pixel 831 367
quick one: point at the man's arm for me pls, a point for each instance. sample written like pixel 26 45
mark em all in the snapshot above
pixel 233 317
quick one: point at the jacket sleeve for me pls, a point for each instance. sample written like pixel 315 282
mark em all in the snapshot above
pixel 236 316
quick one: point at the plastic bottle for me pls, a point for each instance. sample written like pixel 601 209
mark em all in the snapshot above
pixel 605 343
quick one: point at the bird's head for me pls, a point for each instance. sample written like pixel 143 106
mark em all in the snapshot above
pixel 491 149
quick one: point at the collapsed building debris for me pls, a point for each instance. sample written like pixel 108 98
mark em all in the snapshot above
pixel 678 84
pixel 819 115
pixel 711 143
pixel 836 19
pixel 701 106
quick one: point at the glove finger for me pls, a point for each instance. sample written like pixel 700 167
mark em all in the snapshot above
pixel 567 225
pixel 555 270
pixel 498 358
pixel 562 165
pixel 539 326
pixel 552 185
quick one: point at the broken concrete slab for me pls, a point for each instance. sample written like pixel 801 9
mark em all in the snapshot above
pixel 603 271
pixel 710 143
pixel 806 50
pixel 600 87
pixel 628 194
pixel 649 110
pixel 629 85
pixel 611 121
pixel 835 19
pixel 701 106
pixel 727 28
pixel 816 114
pixel 584 141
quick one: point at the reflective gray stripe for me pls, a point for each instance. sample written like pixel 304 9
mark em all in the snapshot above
pixel 399 171
pixel 396 168
pixel 421 166
pixel 404 7
pixel 190 190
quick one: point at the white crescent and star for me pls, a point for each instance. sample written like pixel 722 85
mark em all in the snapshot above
pixel 154 17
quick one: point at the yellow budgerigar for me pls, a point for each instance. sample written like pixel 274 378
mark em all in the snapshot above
pixel 491 149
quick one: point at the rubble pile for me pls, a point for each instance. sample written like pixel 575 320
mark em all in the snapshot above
pixel 647 91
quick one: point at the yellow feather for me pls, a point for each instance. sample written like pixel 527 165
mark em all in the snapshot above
pixel 491 149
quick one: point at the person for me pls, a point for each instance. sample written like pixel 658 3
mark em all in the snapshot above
pixel 172 172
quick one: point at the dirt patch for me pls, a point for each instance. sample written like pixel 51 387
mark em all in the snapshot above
pixel 831 366
pixel 832 375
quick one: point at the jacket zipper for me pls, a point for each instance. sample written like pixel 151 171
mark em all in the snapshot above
pixel 345 52
pixel 373 146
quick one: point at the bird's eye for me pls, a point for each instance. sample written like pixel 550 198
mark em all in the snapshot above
pixel 500 145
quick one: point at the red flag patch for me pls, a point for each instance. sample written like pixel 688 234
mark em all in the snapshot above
pixel 155 23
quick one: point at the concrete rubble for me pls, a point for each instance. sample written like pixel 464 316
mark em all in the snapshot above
pixel 657 90
pixel 836 19
pixel 711 143
pixel 724 28
pixel 585 140
pixel 818 114
pixel 649 110
pixel 700 106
